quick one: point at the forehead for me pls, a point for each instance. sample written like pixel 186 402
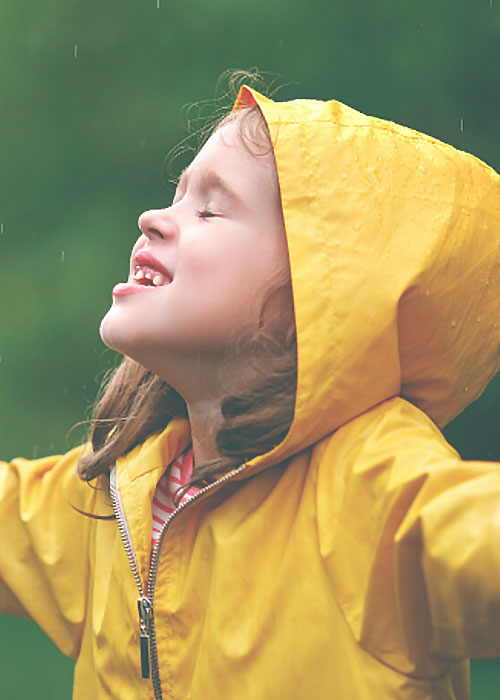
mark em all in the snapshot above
pixel 225 157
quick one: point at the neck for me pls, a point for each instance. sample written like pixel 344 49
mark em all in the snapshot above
pixel 205 419
pixel 200 385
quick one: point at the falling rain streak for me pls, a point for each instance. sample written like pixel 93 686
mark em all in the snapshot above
pixel 62 255
pixel 1 227
pixel 75 51
pixel 461 125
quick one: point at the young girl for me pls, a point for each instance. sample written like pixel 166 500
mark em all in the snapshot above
pixel 327 542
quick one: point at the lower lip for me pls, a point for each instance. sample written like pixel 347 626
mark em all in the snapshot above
pixel 125 288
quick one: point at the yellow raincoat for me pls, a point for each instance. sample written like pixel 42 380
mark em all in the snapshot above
pixel 360 559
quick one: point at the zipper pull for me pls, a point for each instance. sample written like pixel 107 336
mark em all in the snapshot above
pixel 145 618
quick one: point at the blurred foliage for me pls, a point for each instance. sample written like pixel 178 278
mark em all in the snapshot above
pixel 92 97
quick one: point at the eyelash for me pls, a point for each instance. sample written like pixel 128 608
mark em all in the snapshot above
pixel 206 214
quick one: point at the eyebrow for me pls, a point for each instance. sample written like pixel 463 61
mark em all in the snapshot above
pixel 210 180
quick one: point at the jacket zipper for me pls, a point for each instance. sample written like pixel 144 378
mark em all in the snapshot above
pixel 147 636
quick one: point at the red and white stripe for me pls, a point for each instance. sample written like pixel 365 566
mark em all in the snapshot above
pixel 177 474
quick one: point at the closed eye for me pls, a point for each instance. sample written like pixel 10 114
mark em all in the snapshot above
pixel 206 214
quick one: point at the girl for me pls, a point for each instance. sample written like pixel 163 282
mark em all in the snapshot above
pixel 328 542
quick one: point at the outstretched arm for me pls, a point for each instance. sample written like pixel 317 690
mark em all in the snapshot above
pixel 415 557
pixel 44 545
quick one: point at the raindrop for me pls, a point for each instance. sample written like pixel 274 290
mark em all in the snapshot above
pixel 466 388
pixel 75 51
pixel 461 125
pixel 62 256
pixel 1 227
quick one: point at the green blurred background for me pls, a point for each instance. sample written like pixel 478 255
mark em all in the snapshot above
pixel 91 101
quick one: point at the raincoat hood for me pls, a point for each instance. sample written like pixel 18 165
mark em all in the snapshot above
pixel 394 246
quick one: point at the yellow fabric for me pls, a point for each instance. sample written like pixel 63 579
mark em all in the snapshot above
pixel 360 558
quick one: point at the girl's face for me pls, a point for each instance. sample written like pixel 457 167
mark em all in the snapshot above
pixel 201 268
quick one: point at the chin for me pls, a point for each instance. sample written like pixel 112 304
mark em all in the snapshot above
pixel 115 333
pixel 109 334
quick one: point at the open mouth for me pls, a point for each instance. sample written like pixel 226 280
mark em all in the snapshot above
pixel 148 271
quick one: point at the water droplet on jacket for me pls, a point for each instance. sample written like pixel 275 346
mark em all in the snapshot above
pixel 422 169
pixel 466 388
pixel 357 227
pixel 427 292
pixel 478 319
pixel 453 323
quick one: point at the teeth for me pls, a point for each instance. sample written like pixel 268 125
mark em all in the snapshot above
pixel 156 278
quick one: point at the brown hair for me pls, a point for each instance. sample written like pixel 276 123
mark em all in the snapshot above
pixel 135 403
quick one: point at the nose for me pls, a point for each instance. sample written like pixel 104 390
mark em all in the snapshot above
pixel 157 223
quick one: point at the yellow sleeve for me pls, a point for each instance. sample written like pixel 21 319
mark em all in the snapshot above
pixel 44 545
pixel 415 557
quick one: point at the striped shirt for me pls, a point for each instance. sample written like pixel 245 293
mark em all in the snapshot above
pixel 177 474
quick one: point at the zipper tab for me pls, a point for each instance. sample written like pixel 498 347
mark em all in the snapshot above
pixel 145 620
